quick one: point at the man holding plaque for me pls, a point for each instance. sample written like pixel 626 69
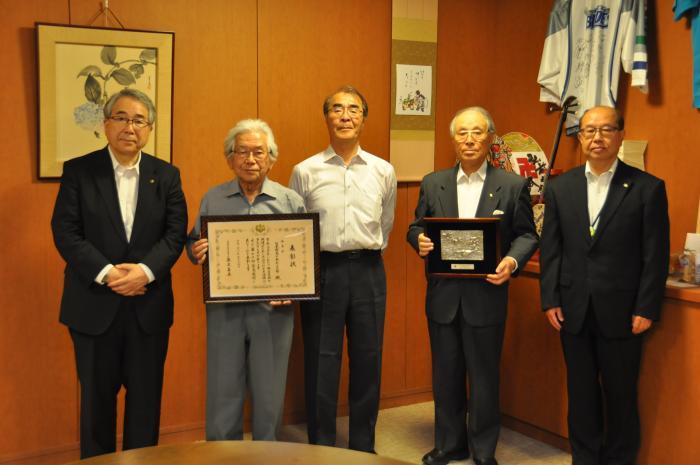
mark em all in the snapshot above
pixel 355 194
pixel 120 222
pixel 605 251
pixel 466 316
pixel 247 340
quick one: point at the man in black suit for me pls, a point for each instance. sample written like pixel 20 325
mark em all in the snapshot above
pixel 466 317
pixel 120 223
pixel 605 246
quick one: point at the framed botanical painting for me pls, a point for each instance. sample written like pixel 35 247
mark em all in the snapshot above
pixel 79 69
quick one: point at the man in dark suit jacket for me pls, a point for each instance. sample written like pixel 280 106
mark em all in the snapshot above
pixel 605 246
pixel 120 224
pixel 466 317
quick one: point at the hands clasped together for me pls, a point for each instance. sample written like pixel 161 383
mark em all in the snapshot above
pixel 127 279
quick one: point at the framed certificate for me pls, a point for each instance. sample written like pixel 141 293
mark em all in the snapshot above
pixel 261 257
pixel 464 247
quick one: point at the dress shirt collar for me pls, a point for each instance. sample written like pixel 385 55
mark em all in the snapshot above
pixel 119 168
pixel 480 174
pixel 267 188
pixel 591 176
pixel 330 155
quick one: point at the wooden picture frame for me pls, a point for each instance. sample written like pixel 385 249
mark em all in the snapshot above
pixel 78 69
pixel 259 258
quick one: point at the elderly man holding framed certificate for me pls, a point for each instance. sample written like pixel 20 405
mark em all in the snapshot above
pixel 247 339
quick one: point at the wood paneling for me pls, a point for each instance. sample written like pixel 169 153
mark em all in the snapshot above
pixel 419 366
pixel 309 48
pixel 483 60
pixel 533 388
pixel 277 60
pixel 465 62
pixel 517 54
pixel 37 382
pixel 669 400
pixel 215 71
pixel 532 365
pixel 665 117
pixel 492 54
pixel 233 59
pixel 314 50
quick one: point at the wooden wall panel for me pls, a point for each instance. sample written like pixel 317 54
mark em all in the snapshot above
pixel 37 380
pixel 533 386
pixel 515 101
pixel 665 117
pixel 314 50
pixel 397 343
pixel 277 60
pixel 505 82
pixel 494 65
pixel 669 399
pixel 418 369
pixel 307 49
pixel 215 82
pixel 532 366
pixel 465 61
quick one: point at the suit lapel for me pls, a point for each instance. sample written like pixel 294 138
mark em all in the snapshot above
pixel 448 194
pixel 148 186
pixel 579 192
pixel 104 179
pixel 619 187
pixel 490 194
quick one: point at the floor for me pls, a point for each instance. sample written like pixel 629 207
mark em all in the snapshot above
pixel 406 433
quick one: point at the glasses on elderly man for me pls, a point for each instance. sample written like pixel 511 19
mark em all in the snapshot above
pixel 476 134
pixel 242 153
pixel 353 110
pixel 605 131
pixel 138 123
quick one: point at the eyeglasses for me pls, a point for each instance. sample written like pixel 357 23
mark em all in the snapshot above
pixel 476 134
pixel 353 110
pixel 138 123
pixel 589 132
pixel 243 153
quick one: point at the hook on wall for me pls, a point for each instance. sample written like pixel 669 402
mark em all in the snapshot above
pixel 106 12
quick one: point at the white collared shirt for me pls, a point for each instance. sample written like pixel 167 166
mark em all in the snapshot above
pixel 355 202
pixel 469 189
pixel 597 189
pixel 126 179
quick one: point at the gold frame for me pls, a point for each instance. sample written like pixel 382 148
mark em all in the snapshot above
pixel 49 35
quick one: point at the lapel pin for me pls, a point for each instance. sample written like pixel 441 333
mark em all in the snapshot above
pixel 626 185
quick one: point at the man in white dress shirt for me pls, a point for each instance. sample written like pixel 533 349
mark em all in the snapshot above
pixel 119 222
pixel 604 261
pixel 355 193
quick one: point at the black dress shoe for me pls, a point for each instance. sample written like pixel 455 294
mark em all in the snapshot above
pixel 440 457
pixel 490 461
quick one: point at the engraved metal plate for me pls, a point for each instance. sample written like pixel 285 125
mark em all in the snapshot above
pixel 461 266
pixel 462 245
